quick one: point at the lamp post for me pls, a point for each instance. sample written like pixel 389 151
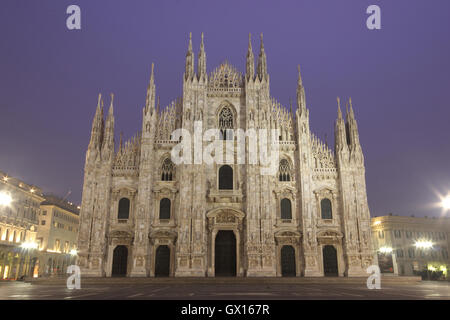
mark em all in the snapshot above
pixel 445 202
pixel 5 199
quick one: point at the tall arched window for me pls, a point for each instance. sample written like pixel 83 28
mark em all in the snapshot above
pixel 226 123
pixel 284 170
pixel 164 209
pixel 325 208
pixel 286 209
pixel 124 209
pixel 167 170
pixel 225 178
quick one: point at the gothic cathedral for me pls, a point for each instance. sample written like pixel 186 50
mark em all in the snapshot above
pixel 142 215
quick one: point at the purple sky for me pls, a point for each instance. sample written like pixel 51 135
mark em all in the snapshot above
pixel 398 78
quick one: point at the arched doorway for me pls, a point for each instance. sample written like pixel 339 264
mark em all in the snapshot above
pixel 162 261
pixel 120 258
pixel 225 254
pixel 288 261
pixel 330 264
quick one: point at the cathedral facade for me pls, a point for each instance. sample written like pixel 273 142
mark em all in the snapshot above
pixel 143 215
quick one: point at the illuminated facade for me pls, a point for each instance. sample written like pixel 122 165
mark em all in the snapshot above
pixel 57 236
pixel 416 243
pixel 142 215
pixel 19 210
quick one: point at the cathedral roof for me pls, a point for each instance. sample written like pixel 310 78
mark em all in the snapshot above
pixel 225 76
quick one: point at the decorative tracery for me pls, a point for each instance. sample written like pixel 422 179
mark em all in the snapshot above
pixel 225 76
pixel 226 122
pixel 167 170
pixel 284 171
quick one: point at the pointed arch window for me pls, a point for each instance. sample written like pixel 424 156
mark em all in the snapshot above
pixel 124 209
pixel 325 208
pixel 167 170
pixel 164 209
pixel 225 178
pixel 226 123
pixel 284 171
pixel 286 209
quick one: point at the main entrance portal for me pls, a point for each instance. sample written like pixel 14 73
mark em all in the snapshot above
pixel 330 264
pixel 120 258
pixel 225 254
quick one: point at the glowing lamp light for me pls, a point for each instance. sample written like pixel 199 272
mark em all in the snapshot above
pixel 423 244
pixel 445 202
pixel 385 249
pixel 29 245
pixel 73 252
pixel 5 199
pixel 431 268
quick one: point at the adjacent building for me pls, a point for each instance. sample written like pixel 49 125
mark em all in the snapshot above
pixel 412 244
pixel 57 236
pixel 144 215
pixel 19 211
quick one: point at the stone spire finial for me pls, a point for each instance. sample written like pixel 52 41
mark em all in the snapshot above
pixel 339 108
pixel 262 61
pixel 299 80
pixel 111 106
pixel 190 42
pixel 201 66
pixel 250 63
pixel 189 67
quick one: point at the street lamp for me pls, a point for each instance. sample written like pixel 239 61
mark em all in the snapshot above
pixel 385 249
pixel 423 244
pixel 5 199
pixel 445 202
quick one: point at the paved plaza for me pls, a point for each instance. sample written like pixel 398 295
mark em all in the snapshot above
pixel 224 291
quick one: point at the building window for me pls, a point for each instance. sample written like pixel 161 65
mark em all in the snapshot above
pixel 167 170
pixel 226 124
pixel 380 234
pixel 284 171
pixel 40 242
pixel 164 209
pixel 400 253
pixel 444 253
pixel 325 208
pixel 286 209
pixel 43 223
pixel 397 234
pixel 44 213
pixel 411 253
pixel 408 234
pixel 124 209
pixel 225 178
pixel 57 245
